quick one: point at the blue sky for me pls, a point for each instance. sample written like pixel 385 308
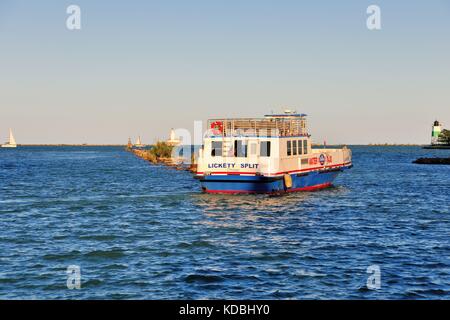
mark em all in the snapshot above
pixel 143 67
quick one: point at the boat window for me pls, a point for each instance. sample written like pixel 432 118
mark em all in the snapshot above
pixel 253 149
pixel 294 147
pixel 305 146
pixel 264 149
pixel 289 148
pixel 300 147
pixel 240 149
pixel 216 148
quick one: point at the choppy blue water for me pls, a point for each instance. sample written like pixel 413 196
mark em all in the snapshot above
pixel 140 231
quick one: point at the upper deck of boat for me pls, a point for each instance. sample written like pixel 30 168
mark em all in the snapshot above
pixel 274 125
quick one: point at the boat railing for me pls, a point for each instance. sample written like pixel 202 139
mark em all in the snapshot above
pixel 261 127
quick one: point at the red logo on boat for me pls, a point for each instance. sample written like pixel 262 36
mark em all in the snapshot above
pixel 217 127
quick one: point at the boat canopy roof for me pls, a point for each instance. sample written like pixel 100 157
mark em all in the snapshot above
pixel 285 115
pixel 274 125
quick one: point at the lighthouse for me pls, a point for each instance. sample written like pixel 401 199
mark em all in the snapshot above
pixel 436 131
pixel 173 141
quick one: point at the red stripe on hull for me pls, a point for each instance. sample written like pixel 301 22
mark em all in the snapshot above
pixel 310 188
pixel 279 173
pixel 230 191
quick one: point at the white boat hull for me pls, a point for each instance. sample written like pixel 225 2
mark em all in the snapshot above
pixel 9 145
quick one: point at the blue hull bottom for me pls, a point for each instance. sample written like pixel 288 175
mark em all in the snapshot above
pixel 260 184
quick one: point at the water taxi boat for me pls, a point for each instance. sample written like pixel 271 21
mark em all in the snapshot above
pixel 266 155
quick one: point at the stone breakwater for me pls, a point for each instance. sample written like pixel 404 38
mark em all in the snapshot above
pixel 432 161
pixel 168 161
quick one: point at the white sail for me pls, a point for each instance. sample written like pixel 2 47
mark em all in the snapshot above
pixel 12 141
pixel 138 141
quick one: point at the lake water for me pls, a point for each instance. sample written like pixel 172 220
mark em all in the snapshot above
pixel 140 231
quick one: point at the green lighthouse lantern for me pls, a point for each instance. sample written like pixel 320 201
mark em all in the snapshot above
pixel 437 129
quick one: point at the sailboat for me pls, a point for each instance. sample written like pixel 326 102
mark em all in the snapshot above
pixel 138 143
pixel 11 143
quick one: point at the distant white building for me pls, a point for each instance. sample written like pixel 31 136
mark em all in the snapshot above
pixel 173 141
